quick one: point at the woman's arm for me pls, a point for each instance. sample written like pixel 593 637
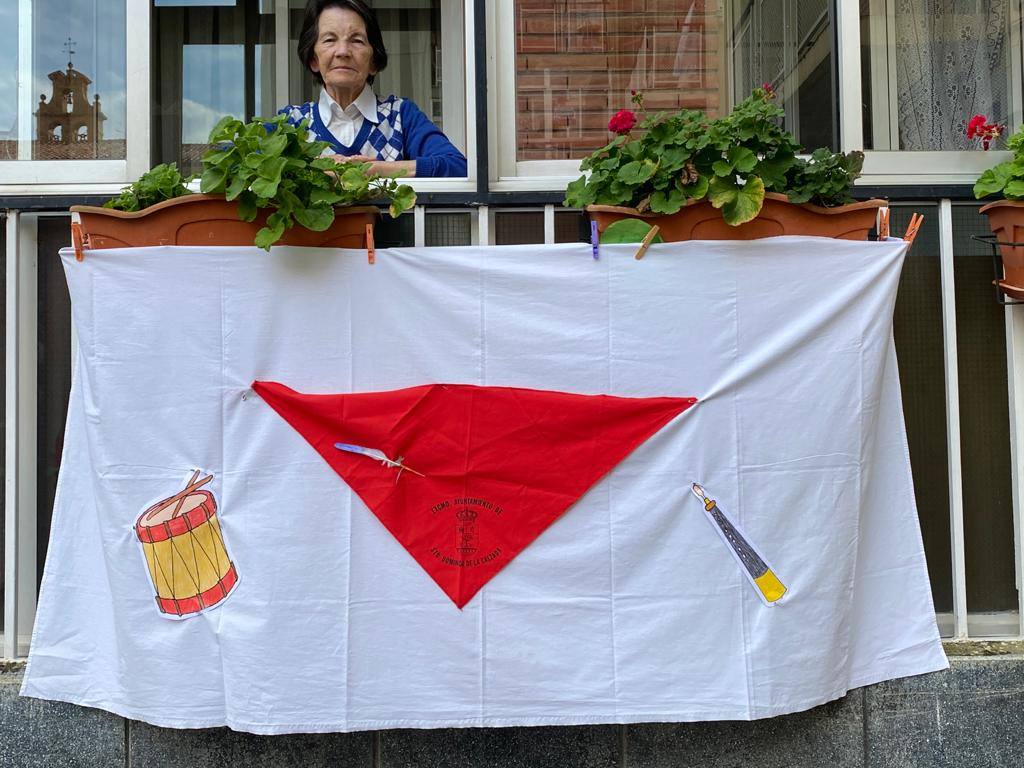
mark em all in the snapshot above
pixel 433 153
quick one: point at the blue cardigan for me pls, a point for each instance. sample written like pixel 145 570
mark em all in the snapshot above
pixel 402 132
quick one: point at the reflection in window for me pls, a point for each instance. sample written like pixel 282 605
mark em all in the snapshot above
pixel 929 66
pixel 210 61
pixel 62 86
pixel 578 60
pixel 210 78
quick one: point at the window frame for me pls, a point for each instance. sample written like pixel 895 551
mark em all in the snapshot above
pixel 86 176
pixel 881 167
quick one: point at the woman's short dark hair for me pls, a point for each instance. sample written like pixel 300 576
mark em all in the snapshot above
pixel 310 31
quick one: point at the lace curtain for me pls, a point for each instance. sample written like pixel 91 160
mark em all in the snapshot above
pixel 951 60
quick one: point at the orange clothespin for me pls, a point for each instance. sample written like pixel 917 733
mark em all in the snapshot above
pixel 883 223
pixel 646 242
pixel 371 256
pixel 913 227
pixel 78 240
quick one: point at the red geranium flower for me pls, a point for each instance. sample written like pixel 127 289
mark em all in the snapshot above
pixel 972 127
pixel 622 122
pixel 980 129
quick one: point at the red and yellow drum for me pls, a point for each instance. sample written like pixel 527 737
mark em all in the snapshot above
pixel 188 562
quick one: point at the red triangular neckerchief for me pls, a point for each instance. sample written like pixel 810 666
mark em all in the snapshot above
pixel 499 464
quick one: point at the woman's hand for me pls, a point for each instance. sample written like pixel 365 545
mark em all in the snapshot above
pixel 398 168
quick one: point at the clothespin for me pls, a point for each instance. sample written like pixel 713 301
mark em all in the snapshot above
pixel 915 224
pixel 371 256
pixel 883 223
pixel 78 240
pixel 593 238
pixel 646 242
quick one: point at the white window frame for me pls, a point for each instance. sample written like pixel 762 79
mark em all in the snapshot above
pixel 85 176
pixel 880 166
pixel 898 167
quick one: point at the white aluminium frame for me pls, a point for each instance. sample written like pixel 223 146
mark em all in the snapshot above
pixel 19 177
pixel 880 166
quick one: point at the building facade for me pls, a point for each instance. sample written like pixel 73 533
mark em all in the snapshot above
pixel 95 92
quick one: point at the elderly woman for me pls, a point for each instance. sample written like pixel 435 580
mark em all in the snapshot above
pixel 342 46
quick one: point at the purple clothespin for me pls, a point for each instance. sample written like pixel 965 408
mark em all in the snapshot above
pixel 593 238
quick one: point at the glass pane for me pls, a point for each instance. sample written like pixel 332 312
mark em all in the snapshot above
pixel 62 80
pixel 518 227
pixel 984 419
pixel 209 61
pixel 449 228
pixel 578 60
pixel 917 323
pixel 53 371
pixel 426 60
pixel 929 66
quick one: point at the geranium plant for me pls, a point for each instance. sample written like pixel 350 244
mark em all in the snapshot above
pixel 1007 178
pixel 732 161
pixel 270 164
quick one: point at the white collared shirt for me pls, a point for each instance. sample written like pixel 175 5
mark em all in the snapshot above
pixel 344 124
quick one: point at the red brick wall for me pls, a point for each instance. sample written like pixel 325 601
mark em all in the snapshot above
pixel 577 60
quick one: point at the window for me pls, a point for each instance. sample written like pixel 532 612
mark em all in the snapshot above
pixel 929 66
pixel 236 57
pixel 576 62
pixel 210 60
pixel 63 90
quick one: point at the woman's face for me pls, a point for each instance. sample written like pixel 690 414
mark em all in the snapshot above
pixel 342 54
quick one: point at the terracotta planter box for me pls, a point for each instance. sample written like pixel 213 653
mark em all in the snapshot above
pixel 209 220
pixel 1006 218
pixel 698 220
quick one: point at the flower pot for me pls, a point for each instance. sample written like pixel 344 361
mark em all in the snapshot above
pixel 209 220
pixel 699 220
pixel 1006 218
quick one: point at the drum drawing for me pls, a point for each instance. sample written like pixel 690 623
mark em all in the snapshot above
pixel 189 566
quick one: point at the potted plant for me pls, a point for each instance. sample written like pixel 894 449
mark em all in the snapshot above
pixel 259 180
pixel 738 177
pixel 1005 216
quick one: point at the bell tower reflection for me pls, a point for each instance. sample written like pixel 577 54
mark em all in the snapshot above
pixel 69 126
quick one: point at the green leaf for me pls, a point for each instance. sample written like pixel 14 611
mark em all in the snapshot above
pixel 1014 190
pixel 225 129
pixel 742 204
pixel 264 187
pixel 316 217
pixel 579 194
pixel 212 180
pixel 272 167
pixel 992 181
pixel 271 233
pixel 637 172
pixel 628 231
pixel 238 184
pixel 667 202
pixel 276 144
pixel 698 189
pixel 723 168
pixel 742 159
pixel 247 206
pixel 404 198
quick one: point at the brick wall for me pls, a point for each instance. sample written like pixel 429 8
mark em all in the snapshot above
pixel 577 60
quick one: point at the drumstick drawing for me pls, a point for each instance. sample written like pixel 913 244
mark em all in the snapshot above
pixel 761 575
